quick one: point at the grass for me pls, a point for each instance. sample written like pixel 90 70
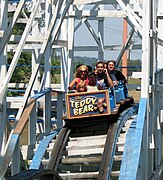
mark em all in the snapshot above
pixel 134 81
pixel 135 95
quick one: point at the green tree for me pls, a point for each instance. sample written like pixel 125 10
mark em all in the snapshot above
pixel 135 66
pixel 22 71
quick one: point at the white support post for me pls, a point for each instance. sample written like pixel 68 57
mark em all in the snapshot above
pixel 155 129
pixel 47 56
pixel 64 75
pixel 18 52
pixel 148 81
pixel 160 35
pixel 158 94
pixel 101 36
pixel 10 27
pixel 3 62
pixel 64 63
pixel 145 78
pixel 33 116
pixel 60 109
pixel 16 159
pixel 32 131
pixel 70 48
pixel 47 113
pixel 36 84
pixel 146 51
pixel 160 48
pixel 47 71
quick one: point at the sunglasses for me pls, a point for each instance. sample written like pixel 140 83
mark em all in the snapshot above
pixel 83 71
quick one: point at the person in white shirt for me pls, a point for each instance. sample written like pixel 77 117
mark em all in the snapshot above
pixel 92 82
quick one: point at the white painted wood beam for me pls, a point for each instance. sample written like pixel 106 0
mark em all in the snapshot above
pixel 9 29
pixel 63 14
pixel 3 60
pixel 44 46
pixel 18 52
pixel 79 24
pixel 70 57
pixel 80 2
pixel 22 20
pixel 1 33
pixel 12 7
pixel 160 36
pixel 30 38
pixel 160 14
pixel 133 17
pixel 137 7
pixel 36 39
pixel 41 54
pixel 101 35
pixel 98 14
pixel 92 32
pixel 30 47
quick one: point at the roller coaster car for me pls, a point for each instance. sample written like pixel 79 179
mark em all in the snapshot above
pixel 97 103
pixel 81 105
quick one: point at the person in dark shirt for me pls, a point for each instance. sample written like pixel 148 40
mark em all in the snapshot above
pixel 118 75
pixel 113 71
pixel 103 78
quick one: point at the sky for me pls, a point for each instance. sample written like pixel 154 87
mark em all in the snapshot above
pixel 113 35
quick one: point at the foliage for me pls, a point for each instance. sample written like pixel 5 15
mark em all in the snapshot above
pixel 135 66
pixel 18 28
pixel 55 69
pixel 22 71
pixel 85 60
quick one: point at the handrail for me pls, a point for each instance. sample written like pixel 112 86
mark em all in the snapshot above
pixel 133 145
pixel 39 154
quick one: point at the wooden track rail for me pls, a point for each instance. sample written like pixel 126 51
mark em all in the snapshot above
pixel 110 146
pixel 37 174
pixel 65 133
pixel 107 151
pixel 58 148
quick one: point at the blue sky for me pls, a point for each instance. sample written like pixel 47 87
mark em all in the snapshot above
pixel 113 33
